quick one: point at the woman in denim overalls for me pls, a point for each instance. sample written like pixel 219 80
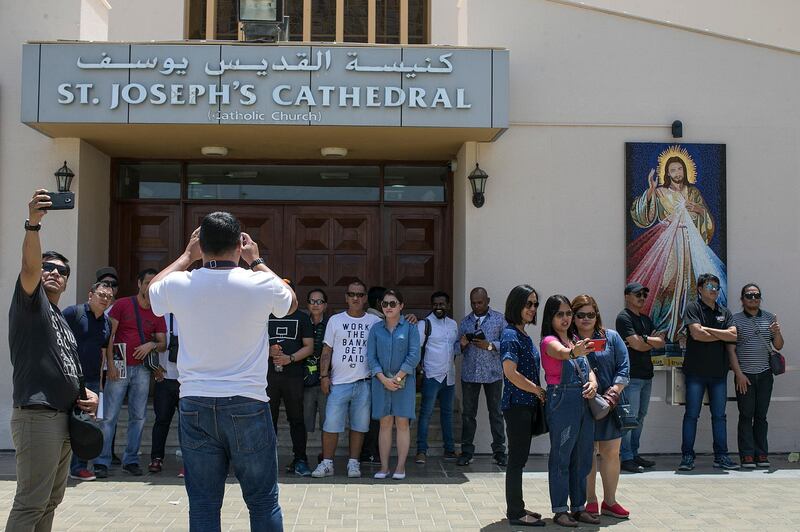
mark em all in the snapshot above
pixel 570 382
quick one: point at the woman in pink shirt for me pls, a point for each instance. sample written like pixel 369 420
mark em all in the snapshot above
pixel 570 382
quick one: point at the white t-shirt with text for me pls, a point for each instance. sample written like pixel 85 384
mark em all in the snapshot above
pixel 224 343
pixel 347 336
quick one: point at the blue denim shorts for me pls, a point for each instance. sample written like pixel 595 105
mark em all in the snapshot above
pixel 353 399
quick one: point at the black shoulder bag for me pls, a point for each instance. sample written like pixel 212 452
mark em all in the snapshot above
pixel 151 360
pixel 85 436
pixel 420 368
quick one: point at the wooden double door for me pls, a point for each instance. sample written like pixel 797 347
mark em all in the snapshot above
pixel 325 246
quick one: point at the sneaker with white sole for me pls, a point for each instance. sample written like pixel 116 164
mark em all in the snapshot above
pixel 82 474
pixel 324 469
pixel 353 469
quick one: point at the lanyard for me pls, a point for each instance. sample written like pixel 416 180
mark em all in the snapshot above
pixel 217 264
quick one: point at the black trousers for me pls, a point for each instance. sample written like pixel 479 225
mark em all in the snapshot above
pixel 470 393
pixel 519 427
pixel 370 447
pixel 289 390
pixel 165 402
pixel 753 406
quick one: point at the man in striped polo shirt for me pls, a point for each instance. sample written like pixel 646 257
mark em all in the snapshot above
pixel 758 331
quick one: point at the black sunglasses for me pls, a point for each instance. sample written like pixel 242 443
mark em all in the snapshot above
pixel 111 283
pixel 586 315
pixel 317 301
pixel 752 295
pixel 63 271
pixel 355 294
pixel 391 304
pixel 531 304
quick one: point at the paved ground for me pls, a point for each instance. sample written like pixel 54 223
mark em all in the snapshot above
pixel 437 497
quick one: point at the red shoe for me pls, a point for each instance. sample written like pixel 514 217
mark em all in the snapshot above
pixel 615 511
pixel 155 465
pixel 181 473
pixel 591 507
pixel 83 474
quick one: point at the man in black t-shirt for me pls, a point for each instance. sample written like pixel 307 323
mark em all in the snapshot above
pixel 637 331
pixel 291 340
pixel 46 379
pixel 705 366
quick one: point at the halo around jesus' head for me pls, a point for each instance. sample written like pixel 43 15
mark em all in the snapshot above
pixel 683 155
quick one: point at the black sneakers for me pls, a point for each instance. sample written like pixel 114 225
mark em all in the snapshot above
pixel 133 469
pixel 100 471
pixel 643 461
pixel 631 466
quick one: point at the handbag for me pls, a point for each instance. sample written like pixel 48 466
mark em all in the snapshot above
pixel 150 361
pixel 777 362
pixel 85 436
pixel 539 425
pixel 598 405
pixel 623 414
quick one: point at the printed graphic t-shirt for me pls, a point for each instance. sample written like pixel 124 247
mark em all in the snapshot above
pixel 347 336
pixel 43 352
pixel 289 333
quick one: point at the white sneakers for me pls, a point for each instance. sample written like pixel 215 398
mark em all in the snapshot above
pixel 353 468
pixel 324 469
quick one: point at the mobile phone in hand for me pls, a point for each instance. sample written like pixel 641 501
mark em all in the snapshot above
pixel 61 201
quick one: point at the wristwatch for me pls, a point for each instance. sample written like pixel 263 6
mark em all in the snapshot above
pixel 256 262
pixel 31 227
pixel 291 358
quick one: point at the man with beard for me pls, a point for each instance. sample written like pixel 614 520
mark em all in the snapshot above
pixel 438 334
pixel 46 379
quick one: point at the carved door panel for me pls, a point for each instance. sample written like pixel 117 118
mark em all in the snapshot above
pixel 146 236
pixel 264 224
pixel 328 247
pixel 417 254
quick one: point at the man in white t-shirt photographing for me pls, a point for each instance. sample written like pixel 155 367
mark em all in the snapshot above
pixel 223 312
pixel 345 379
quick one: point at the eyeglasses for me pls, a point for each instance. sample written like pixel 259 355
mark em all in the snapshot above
pixel 564 314
pixel 316 301
pixel 752 295
pixel 641 295
pixel 586 315
pixel 712 287
pixel 63 271
pixel 355 294
pixel 111 283
pixel 531 304
pixel 390 304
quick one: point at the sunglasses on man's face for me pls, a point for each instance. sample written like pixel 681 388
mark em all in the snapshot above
pixel 712 287
pixel 586 315
pixel 63 271
pixel 641 295
pixel 752 295
pixel 317 301
pixel 390 304
pixel 531 304
pixel 355 294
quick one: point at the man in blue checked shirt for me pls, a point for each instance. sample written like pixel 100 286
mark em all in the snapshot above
pixel 479 334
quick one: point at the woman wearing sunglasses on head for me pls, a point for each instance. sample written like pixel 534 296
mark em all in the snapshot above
pixel 522 397
pixel 570 382
pixel 610 364
pixel 393 355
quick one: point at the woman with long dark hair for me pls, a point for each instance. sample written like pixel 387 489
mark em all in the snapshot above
pixel 522 397
pixel 570 382
pixel 393 355
pixel 612 369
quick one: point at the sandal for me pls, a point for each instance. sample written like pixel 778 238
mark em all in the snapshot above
pixel 585 517
pixel 564 519
pixel 526 520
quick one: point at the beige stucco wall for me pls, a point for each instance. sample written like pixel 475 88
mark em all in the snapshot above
pixel 582 84
pixel 145 20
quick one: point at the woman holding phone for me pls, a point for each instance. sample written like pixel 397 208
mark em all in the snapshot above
pixel 522 397
pixel 610 364
pixel 570 382
pixel 393 355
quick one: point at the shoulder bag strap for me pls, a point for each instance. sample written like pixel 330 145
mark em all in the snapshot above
pixel 427 335
pixel 138 319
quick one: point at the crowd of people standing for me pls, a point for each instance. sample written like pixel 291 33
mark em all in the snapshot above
pixel 355 370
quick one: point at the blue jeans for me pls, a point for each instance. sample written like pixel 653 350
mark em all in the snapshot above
pixel 571 446
pixel 431 389
pixel 216 432
pixel 718 396
pixel 638 394
pixel 77 464
pixel 136 386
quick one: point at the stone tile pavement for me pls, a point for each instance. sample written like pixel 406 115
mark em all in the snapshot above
pixel 438 497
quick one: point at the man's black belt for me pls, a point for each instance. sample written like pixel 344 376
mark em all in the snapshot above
pixel 40 407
